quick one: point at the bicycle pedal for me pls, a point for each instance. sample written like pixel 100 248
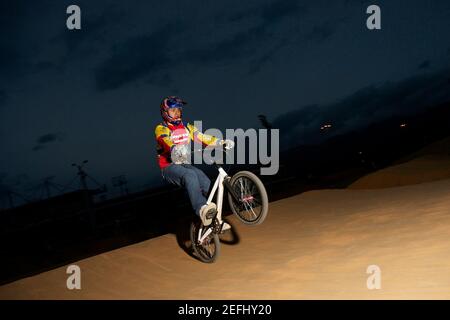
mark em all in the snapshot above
pixel 211 214
pixel 225 227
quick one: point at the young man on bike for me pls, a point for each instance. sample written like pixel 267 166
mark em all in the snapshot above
pixel 173 137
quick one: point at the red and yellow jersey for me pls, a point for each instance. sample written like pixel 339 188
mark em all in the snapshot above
pixel 168 135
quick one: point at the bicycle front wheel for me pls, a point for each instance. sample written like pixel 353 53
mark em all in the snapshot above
pixel 206 248
pixel 253 204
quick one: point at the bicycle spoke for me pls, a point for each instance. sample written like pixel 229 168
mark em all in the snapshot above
pixel 242 188
pixel 245 205
pixel 247 191
pixel 250 207
pixel 256 216
pixel 244 183
pixel 257 201
pixel 207 248
pixel 205 252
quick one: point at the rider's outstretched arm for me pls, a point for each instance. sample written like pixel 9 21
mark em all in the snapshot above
pixel 205 139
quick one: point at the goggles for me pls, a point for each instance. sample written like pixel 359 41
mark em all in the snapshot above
pixel 175 103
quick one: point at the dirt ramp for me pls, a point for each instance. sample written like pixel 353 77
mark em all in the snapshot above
pixel 424 169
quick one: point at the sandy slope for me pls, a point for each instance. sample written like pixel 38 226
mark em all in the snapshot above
pixel 423 169
pixel 440 147
pixel 430 163
pixel 314 245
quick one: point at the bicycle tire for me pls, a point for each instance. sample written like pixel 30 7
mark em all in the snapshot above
pixel 201 249
pixel 259 196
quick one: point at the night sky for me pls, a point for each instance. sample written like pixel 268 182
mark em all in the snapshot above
pixel 94 93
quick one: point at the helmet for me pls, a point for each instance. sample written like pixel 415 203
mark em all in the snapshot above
pixel 169 103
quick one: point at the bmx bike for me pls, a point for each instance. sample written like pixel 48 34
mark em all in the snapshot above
pixel 248 201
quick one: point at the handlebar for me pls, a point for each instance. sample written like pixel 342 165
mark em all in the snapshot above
pixel 215 148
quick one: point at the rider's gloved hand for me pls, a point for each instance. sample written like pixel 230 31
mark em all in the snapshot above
pixel 229 144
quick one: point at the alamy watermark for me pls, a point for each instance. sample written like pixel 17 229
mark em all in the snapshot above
pixel 374 20
pixel 260 146
pixel 73 22
pixel 374 280
pixel 74 280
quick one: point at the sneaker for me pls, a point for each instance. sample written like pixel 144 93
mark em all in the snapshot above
pixel 207 212
pixel 225 227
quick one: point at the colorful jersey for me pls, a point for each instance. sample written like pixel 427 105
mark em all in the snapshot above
pixel 168 135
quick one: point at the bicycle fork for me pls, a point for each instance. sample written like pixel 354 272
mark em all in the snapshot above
pixel 201 237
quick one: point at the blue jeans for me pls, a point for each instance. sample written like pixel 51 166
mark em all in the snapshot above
pixel 192 179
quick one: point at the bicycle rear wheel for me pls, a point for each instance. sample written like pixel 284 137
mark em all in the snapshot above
pixel 253 204
pixel 208 249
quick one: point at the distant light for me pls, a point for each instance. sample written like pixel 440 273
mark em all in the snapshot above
pixel 325 126
pixel 403 125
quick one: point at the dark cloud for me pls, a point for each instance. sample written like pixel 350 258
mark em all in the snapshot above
pixel 305 116
pixel 13 17
pixel 20 17
pixel 321 32
pixel 45 139
pixel 239 16
pixel 153 56
pixel 17 47
pixel 317 34
pixel 251 42
pixel 38 147
pixel 241 44
pixel 44 65
pixel 3 97
pixel 257 64
pixel 365 106
pixel 94 30
pixel 137 58
pixel 278 10
pixel 424 65
pixel 270 13
pixel 12 62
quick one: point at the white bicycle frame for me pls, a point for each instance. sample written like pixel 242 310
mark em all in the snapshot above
pixel 218 186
